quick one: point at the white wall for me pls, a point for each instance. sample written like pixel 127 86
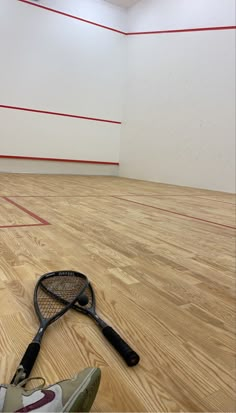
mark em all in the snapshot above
pixel 54 63
pixel 180 95
pixel 149 15
pixel 97 11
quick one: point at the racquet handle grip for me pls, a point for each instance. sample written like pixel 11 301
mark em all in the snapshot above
pixel 26 363
pixel 131 358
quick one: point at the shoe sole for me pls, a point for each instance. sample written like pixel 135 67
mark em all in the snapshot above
pixel 83 398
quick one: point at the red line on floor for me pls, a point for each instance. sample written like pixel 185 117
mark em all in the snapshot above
pixel 28 212
pixel 114 195
pixel 186 196
pixel 60 196
pixel 73 17
pixel 22 225
pixel 67 115
pixel 197 29
pixel 176 213
pixel 216 200
pixel 35 158
pixel 95 196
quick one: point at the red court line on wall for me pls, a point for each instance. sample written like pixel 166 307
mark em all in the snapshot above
pixel 176 213
pixel 36 158
pixel 68 115
pixel 197 29
pixel 41 221
pixel 73 17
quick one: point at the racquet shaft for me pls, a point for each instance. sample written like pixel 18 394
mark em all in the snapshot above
pixel 27 363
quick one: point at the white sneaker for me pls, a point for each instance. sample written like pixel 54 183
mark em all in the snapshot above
pixel 74 395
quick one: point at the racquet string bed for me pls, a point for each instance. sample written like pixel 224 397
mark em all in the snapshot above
pixel 48 305
pixel 66 287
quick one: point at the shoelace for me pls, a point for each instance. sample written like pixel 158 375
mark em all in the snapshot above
pixel 26 381
pixel 22 382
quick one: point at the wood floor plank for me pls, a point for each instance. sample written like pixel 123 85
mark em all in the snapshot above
pixel 220 401
pixel 165 281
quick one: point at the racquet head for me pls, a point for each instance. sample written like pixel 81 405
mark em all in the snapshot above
pixel 61 299
pixel 66 284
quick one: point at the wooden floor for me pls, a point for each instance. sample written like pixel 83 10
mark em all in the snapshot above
pixel 162 260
